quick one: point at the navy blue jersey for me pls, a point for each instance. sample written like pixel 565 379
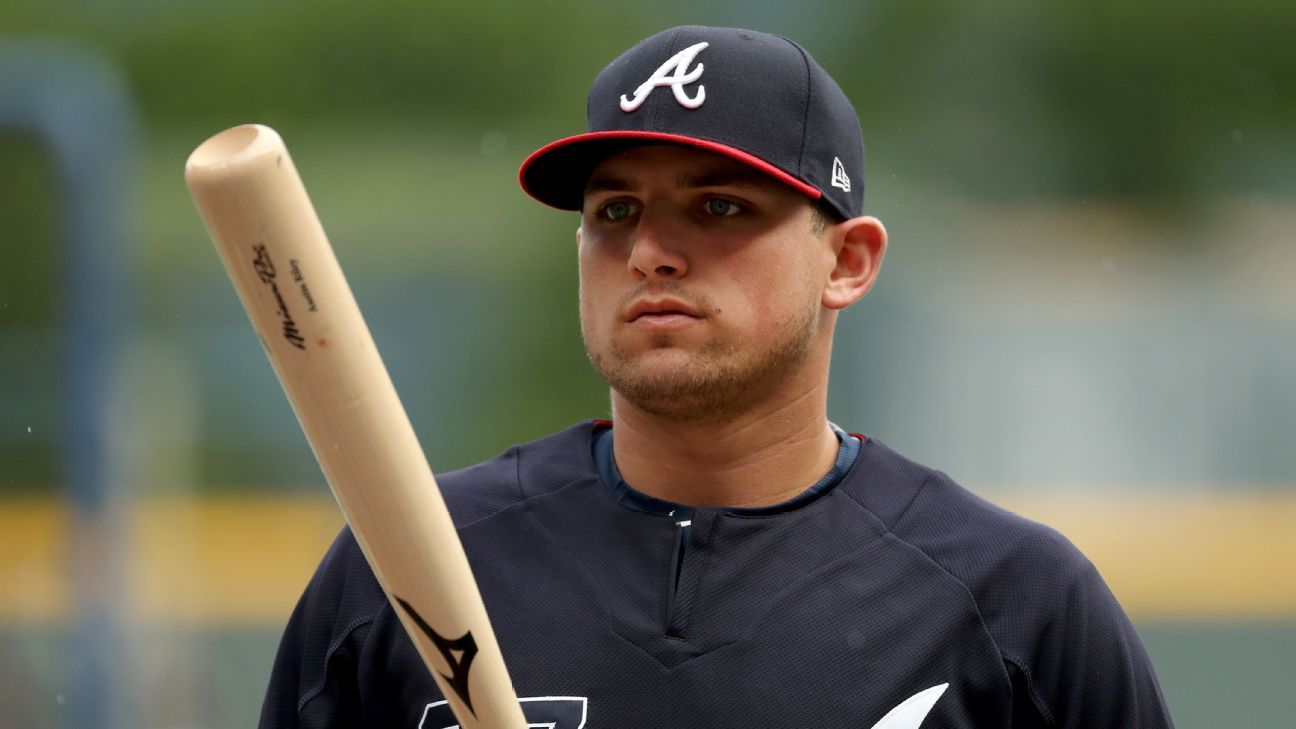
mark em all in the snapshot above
pixel 894 588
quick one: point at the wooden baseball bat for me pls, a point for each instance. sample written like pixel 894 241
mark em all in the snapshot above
pixel 275 251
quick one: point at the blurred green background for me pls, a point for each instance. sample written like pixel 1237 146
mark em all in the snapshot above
pixel 1087 311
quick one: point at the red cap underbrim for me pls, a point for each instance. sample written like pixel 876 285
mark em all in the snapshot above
pixel 556 173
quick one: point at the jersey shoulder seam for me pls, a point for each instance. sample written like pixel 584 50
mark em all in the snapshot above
pixel 350 628
pixel 449 485
pixel 890 530
pixel 514 478
pixel 1036 700
pixel 930 477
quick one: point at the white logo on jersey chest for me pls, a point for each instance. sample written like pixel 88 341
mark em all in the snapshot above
pixel 542 712
pixel 663 76
pixel 571 712
pixel 909 714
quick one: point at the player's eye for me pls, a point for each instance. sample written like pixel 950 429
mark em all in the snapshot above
pixel 722 208
pixel 617 210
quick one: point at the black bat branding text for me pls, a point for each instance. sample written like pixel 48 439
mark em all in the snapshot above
pixel 265 270
pixel 300 279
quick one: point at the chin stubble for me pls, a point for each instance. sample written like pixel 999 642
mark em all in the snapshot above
pixel 714 383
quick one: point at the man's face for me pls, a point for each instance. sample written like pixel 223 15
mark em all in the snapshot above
pixel 701 282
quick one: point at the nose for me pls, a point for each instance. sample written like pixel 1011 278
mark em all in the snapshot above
pixel 655 251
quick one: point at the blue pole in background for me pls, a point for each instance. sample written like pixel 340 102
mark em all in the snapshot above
pixel 75 102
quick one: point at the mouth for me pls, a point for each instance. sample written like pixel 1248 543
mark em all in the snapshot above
pixel 663 321
pixel 661 311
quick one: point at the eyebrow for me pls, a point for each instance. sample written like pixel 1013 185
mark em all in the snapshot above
pixel 717 178
pixel 724 178
pixel 607 183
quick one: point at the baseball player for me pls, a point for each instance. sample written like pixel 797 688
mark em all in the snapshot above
pixel 718 554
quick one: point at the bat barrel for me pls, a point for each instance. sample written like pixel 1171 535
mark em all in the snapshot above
pixel 232 147
pixel 277 255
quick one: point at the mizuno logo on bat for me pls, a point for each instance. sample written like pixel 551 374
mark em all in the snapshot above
pixel 265 270
pixel 464 645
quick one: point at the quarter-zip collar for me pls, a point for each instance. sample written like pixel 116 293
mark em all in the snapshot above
pixel 635 500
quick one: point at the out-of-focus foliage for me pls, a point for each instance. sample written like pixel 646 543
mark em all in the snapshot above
pixel 30 312
pixel 27 193
pixel 195 62
pixel 1154 98
pixel 1088 286
pixel 408 121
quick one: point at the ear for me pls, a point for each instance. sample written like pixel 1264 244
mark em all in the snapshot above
pixel 860 244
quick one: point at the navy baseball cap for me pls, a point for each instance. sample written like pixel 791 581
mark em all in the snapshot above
pixel 758 98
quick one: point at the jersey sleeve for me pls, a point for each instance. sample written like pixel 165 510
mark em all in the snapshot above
pixel 1072 655
pixel 1075 659
pixel 1069 650
pixel 314 682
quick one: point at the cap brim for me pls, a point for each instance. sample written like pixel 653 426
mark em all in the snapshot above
pixel 556 173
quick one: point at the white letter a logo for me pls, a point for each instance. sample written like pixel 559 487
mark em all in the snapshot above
pixel 679 64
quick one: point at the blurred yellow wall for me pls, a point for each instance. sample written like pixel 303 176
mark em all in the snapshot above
pixel 229 561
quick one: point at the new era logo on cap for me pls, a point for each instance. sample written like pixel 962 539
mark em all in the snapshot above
pixel 758 98
pixel 839 176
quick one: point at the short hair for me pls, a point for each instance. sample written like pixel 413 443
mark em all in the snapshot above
pixel 823 215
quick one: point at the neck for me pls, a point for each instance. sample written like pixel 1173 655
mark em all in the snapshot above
pixel 763 456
